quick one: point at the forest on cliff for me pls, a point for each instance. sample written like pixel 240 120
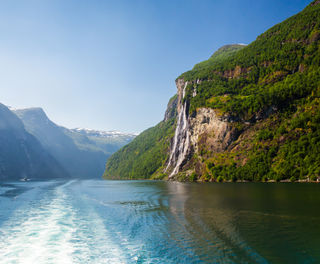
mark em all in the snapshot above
pixel 269 91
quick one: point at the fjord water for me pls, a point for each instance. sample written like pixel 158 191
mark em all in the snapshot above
pixel 95 221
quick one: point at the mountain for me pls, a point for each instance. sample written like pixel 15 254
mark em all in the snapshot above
pixel 83 153
pixel 21 154
pixel 247 113
pixel 108 141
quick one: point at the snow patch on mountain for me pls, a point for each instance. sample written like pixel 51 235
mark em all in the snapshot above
pixel 105 134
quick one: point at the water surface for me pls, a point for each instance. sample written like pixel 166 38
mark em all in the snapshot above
pixel 93 221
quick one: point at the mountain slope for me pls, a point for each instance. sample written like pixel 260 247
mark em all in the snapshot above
pixel 219 56
pixel 81 152
pixel 253 113
pixel 106 141
pixel 144 156
pixel 21 154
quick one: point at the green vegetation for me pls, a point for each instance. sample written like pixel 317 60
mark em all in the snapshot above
pixel 275 80
pixel 219 56
pixel 144 157
pixel 291 150
pixel 280 66
pixel 270 90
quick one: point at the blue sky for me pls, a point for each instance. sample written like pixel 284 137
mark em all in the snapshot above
pixel 112 64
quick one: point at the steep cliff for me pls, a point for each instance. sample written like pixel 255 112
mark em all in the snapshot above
pixel 21 154
pixel 253 115
pixel 149 155
pixel 81 152
pixel 203 127
pixel 251 112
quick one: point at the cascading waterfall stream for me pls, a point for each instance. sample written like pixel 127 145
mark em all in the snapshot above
pixel 181 139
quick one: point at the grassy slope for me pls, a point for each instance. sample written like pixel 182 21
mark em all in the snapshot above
pixel 219 56
pixel 144 157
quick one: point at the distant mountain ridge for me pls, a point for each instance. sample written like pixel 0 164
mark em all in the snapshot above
pixel 21 154
pixel 101 133
pixel 82 152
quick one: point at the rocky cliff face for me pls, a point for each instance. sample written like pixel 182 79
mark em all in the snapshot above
pixel 203 128
pixel 171 111
pixel 208 129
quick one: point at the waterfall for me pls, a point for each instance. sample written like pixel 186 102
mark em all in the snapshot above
pixel 181 140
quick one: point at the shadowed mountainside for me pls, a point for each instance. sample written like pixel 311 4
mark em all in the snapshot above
pixel 21 154
pixel 81 152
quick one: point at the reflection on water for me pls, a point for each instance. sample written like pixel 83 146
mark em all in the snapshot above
pixel 158 222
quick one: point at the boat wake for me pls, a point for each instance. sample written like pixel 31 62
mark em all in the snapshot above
pixel 52 230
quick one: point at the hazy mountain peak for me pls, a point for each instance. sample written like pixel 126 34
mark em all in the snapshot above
pixel 29 109
pixel 33 113
pixel 8 119
pixel 21 154
pixel 81 151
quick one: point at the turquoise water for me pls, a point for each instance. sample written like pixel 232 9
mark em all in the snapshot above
pixel 93 221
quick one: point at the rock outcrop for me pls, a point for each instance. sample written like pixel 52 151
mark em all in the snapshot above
pixel 171 110
pixel 205 127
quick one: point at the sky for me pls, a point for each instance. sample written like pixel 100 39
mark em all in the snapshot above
pixel 112 64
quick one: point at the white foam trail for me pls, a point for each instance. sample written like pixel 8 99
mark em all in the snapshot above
pixel 38 235
pixel 52 232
